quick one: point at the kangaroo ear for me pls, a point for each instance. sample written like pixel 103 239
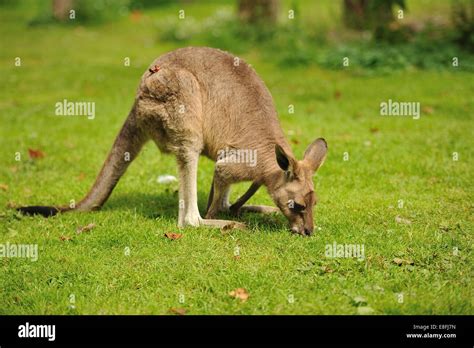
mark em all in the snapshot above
pixel 315 154
pixel 285 161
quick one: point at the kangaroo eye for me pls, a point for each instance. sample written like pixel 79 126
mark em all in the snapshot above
pixel 296 207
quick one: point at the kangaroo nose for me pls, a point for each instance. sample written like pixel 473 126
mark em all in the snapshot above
pixel 308 231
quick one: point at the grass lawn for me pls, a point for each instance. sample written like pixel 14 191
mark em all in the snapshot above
pixel 389 184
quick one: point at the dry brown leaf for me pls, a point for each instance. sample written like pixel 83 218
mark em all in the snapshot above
pixel 427 110
pixel 177 311
pixel 173 236
pixel 233 225
pixel 226 228
pixel 398 261
pixel 35 153
pixel 240 293
pixel 136 15
pixel 4 187
pixel 337 94
pixel 400 220
pixel 374 130
pixel 86 228
pixel 11 205
pixel 65 238
pixel 327 269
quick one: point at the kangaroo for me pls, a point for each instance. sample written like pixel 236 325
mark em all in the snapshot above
pixel 199 101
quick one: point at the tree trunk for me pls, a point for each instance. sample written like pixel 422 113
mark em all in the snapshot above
pixel 61 9
pixel 367 14
pixel 257 11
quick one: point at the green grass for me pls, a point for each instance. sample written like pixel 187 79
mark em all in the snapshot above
pixel 390 159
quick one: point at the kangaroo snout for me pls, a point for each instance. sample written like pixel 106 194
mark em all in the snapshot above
pixel 304 231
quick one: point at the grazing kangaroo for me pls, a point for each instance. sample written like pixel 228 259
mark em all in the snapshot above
pixel 200 100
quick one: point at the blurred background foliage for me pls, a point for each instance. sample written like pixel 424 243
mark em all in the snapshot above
pixel 377 35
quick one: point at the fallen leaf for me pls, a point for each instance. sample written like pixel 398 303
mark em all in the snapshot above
pixel 4 187
pixel 11 205
pixel 177 311
pixel 233 225
pixel 427 110
pixel 173 236
pixel 236 257
pixel 240 293
pixel 86 228
pixel 374 130
pixel 400 220
pixel 136 15
pixel 65 238
pixel 365 310
pixel 327 269
pixel 398 261
pixel 295 141
pixel 337 94
pixel 35 153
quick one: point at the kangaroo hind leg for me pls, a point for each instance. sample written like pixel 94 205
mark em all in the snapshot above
pixel 125 149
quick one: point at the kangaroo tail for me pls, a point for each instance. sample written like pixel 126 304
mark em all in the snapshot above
pixel 126 147
pixel 40 210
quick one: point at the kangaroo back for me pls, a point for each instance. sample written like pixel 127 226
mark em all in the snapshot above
pixel 237 110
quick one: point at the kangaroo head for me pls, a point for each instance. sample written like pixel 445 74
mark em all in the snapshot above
pixel 294 192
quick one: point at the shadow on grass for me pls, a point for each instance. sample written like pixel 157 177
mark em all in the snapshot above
pixel 165 204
